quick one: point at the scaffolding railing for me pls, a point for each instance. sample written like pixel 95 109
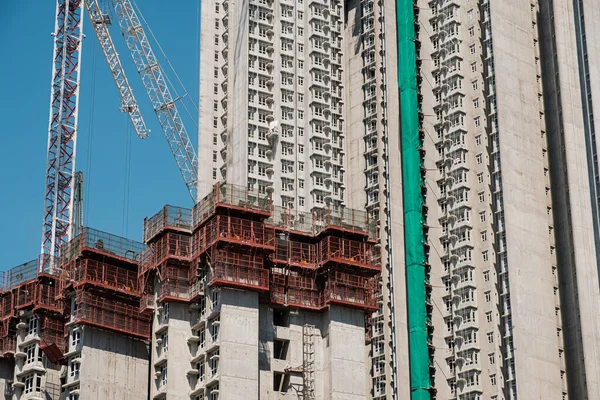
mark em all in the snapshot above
pixel 101 242
pixel 340 218
pixel 47 296
pixel 7 305
pixel 233 230
pixel 239 275
pixel 170 217
pixel 167 246
pixel 102 274
pixel 310 299
pixel 27 272
pixel 230 196
pixel 352 290
pixel 347 251
pixel 53 331
pixel 347 219
pixel 292 220
pixel 111 314
pixel 25 295
pixel 8 346
pixel 295 253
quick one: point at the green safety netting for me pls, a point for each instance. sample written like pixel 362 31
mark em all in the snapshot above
pixel 413 200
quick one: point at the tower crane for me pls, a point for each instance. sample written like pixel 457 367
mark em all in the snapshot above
pixel 61 184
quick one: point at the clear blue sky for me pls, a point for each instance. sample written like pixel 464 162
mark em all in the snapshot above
pixel 25 28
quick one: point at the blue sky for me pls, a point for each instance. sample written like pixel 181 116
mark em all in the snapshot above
pixel 154 179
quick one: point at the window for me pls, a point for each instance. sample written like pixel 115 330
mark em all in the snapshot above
pixel 481 197
pixel 32 326
pixel 30 381
pixel 74 369
pixel 476 103
pixel 479 158
pixel 492 358
pixel 162 376
pixel 472 49
pixel 213 362
pixel 488 316
pixel 488 296
pixel 493 380
pixel 473 67
pixel 470 14
pixel 165 313
pixel 483 236
pixel 75 338
pixel 471 31
pixel 478 140
pixel 486 276
pixel 30 351
pixel 301 201
pixel 485 255
pixel 474 85
pixel 480 177
pixel 490 337
pixel 164 343
pixel 214 328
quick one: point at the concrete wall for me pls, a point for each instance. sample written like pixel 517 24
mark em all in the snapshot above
pixel 346 356
pixel 528 241
pixel 113 366
pixel 572 178
pixel 239 345
pixel 340 359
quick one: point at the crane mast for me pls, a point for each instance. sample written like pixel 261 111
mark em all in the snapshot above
pixel 158 91
pixel 62 130
pixel 63 218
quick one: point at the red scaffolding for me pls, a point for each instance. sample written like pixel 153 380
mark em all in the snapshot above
pixel 109 313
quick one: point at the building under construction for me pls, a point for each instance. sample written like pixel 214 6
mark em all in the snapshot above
pixel 231 298
pixel 461 133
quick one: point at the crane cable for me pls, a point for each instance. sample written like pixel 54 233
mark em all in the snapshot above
pixel 88 167
pixel 127 180
pixel 177 96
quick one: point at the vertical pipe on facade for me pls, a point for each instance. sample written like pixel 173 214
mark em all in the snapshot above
pixel 413 201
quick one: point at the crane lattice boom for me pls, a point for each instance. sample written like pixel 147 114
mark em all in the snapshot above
pixel 100 24
pixel 158 91
pixel 62 130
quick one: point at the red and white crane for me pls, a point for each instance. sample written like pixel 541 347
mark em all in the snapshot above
pixel 59 195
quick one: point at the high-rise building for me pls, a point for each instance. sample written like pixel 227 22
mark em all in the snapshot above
pixel 398 200
pixel 492 98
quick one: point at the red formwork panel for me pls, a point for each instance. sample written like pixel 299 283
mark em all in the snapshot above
pixel 295 253
pixel 350 252
pixel 47 296
pixel 7 305
pixel 170 217
pixel 25 294
pixel 223 228
pixel 53 331
pixel 307 299
pixel 169 245
pixel 352 290
pixel 102 274
pixel 8 346
pixel 111 314
pixel 345 220
pixel 175 284
pixel 230 197
pixel 235 268
pixel 277 294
